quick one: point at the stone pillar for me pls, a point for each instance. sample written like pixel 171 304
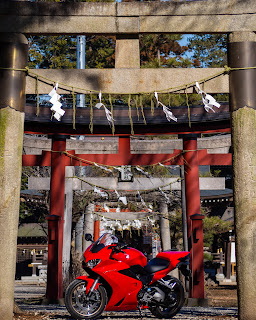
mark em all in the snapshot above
pixel 88 224
pixel 127 54
pixel 13 54
pixel 79 231
pixel 67 225
pixel 242 54
pixel 164 227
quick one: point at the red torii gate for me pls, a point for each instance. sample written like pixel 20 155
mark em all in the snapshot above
pixel 59 157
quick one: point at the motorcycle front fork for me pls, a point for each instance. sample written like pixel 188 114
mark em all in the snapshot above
pixel 93 286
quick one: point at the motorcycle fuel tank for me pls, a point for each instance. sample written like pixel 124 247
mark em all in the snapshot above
pixel 131 257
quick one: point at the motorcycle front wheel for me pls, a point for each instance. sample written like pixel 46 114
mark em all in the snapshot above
pixel 173 302
pixel 82 305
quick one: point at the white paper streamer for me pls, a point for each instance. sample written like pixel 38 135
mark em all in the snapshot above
pixel 56 108
pixel 143 202
pixel 106 207
pixel 143 172
pixel 101 193
pixel 123 199
pixel 108 113
pixel 161 191
pixel 101 167
pixel 169 115
pixel 208 101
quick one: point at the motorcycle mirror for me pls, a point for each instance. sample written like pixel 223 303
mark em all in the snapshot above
pixel 88 237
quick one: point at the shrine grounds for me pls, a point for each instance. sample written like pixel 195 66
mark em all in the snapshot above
pixel 222 306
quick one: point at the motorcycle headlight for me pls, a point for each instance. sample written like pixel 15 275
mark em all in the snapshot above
pixel 92 263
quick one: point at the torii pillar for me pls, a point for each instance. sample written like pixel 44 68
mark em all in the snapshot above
pixel 194 220
pixel 242 54
pixel 13 55
pixel 54 292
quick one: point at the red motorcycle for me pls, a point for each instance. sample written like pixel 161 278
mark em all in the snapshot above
pixel 120 278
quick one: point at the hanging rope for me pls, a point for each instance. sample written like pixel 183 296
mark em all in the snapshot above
pixel 37 98
pixel 112 112
pixel 142 111
pixel 130 114
pixel 137 107
pixel 91 114
pixel 189 122
pixel 74 108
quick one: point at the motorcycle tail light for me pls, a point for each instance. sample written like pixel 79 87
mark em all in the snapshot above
pixel 93 263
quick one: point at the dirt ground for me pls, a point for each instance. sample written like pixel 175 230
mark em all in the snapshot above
pixel 222 296
pixel 219 297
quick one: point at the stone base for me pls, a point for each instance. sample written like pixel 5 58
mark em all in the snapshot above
pixel 195 302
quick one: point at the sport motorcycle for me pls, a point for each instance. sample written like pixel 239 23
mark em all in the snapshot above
pixel 120 278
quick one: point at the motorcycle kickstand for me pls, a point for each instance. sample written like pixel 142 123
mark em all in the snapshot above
pixel 138 307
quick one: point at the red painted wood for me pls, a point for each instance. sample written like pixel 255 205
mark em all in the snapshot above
pixel 96 230
pixel 57 204
pixel 191 167
pixel 197 257
pixel 52 289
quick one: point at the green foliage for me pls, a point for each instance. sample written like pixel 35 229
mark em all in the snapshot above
pixel 52 52
pixel 162 51
pixel 208 256
pixel 175 222
pixel 100 52
pixel 209 50
pixel 212 227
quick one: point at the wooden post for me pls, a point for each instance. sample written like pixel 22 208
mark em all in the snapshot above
pixel 13 55
pixel 96 230
pixel 54 292
pixel 242 54
pixel 191 168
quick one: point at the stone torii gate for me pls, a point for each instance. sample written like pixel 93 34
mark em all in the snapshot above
pixel 127 21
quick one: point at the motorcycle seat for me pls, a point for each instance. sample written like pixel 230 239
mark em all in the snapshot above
pixel 156 264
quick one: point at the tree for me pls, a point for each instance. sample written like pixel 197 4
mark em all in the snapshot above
pixel 209 50
pixel 162 51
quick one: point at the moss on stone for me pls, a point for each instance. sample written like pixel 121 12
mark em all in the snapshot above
pixel 3 128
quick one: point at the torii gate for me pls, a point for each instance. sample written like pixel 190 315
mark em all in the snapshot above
pixel 59 157
pixel 127 21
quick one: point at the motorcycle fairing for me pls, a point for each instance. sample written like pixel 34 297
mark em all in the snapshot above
pixel 173 258
pixel 124 287
pixel 89 282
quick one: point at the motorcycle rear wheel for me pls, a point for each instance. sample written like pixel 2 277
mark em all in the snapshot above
pixel 82 306
pixel 176 301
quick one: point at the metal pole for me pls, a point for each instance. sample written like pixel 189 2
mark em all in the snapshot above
pixel 81 40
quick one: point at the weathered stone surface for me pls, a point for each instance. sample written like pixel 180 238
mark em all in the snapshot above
pixel 34 145
pixel 127 80
pixel 137 184
pixel 79 18
pixel 244 166
pixel 11 138
pixel 127 54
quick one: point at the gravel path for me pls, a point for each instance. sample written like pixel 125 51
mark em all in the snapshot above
pixel 60 313
pixel 25 294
